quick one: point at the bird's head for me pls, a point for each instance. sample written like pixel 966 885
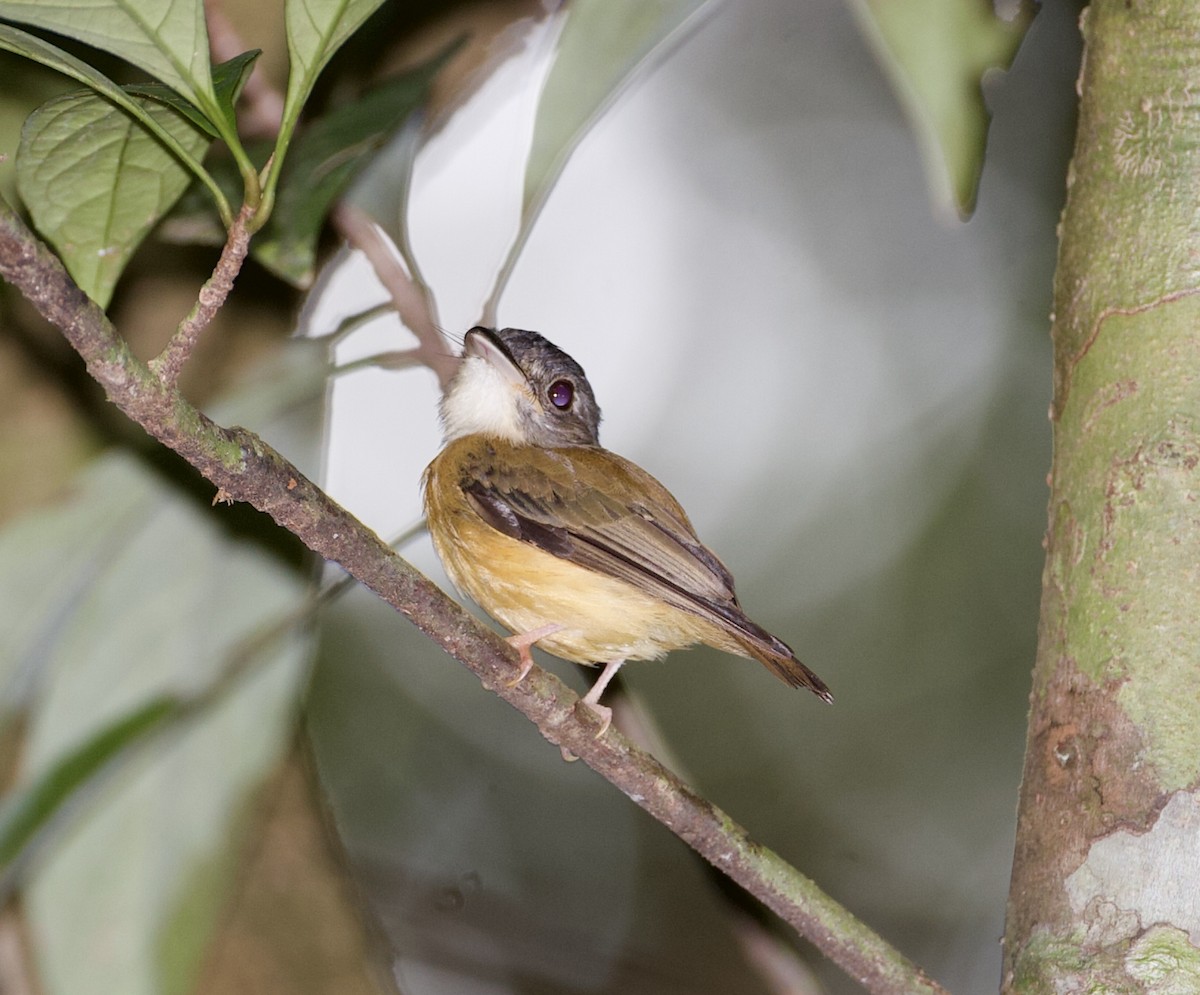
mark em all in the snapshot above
pixel 516 385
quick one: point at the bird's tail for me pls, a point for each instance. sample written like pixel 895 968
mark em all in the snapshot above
pixel 777 657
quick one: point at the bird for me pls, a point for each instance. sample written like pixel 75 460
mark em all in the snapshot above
pixel 568 545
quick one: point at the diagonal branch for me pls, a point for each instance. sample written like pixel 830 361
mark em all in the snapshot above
pixel 244 468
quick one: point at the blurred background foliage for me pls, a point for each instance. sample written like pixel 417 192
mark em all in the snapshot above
pixel 845 389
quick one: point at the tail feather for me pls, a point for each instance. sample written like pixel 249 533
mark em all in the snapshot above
pixel 777 657
pixel 793 672
pixel 752 640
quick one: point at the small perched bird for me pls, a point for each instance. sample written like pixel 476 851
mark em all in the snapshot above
pixel 566 544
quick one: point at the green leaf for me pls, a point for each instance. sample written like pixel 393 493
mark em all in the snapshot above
pixel 167 38
pixel 32 808
pixel 165 95
pixel 26 86
pixel 937 53
pixel 602 46
pixel 316 29
pixel 127 888
pixel 95 181
pixel 45 560
pixel 31 47
pixel 325 158
pixel 229 78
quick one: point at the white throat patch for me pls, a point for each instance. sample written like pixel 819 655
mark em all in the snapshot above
pixel 480 400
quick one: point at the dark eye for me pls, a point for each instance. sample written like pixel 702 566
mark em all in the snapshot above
pixel 561 394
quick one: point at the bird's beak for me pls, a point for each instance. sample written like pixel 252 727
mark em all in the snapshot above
pixel 482 343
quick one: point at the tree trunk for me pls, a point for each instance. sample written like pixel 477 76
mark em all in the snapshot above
pixel 1106 877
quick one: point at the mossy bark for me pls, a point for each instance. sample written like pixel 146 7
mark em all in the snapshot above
pixel 1106 877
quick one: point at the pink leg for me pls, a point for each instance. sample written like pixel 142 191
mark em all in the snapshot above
pixel 592 698
pixel 522 641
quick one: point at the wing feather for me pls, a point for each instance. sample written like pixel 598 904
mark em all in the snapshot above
pixel 593 508
pixel 558 506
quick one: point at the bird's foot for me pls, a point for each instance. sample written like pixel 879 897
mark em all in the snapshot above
pixel 592 698
pixel 591 701
pixel 522 642
pixel 602 712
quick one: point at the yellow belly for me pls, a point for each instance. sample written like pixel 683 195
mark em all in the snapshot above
pixel 525 588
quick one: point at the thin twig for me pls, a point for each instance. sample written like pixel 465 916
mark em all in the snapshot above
pixel 244 468
pixel 351 324
pixel 401 359
pixel 168 363
pixel 411 301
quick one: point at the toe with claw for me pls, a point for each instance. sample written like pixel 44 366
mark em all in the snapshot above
pixel 522 642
